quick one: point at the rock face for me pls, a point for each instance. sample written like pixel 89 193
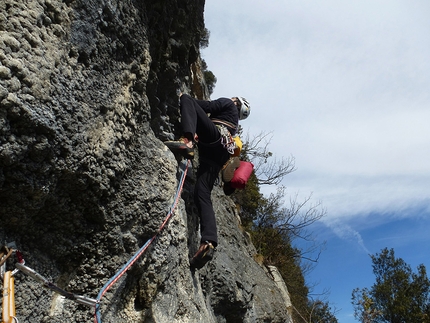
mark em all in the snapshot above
pixel 87 95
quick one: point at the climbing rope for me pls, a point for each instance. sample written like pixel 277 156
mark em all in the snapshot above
pixel 123 270
pixel 8 307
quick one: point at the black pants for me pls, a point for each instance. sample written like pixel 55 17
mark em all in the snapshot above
pixel 212 157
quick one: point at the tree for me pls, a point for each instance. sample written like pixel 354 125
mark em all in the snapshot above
pixel 204 38
pixel 210 80
pixel 209 77
pixel 399 295
pixel 293 220
pixel 321 312
pixel 268 169
pixel 273 226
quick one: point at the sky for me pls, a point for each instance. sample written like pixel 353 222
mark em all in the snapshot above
pixel 343 86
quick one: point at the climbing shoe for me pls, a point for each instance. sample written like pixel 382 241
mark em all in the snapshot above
pixel 229 169
pixel 203 255
pixel 182 146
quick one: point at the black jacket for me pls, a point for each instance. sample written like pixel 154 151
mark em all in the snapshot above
pixel 222 111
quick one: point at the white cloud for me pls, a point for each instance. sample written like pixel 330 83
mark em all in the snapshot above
pixel 343 85
pixel 345 232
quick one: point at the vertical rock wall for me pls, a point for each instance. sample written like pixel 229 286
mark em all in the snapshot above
pixel 87 94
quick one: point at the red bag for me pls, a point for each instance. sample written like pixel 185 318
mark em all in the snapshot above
pixel 242 174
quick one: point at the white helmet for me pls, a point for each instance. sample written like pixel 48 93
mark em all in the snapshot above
pixel 245 108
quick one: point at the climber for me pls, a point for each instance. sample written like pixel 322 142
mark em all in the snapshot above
pixel 209 133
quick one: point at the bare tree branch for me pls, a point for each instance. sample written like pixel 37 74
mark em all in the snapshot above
pixel 268 172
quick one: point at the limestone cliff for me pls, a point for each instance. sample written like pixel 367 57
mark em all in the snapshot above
pixel 87 96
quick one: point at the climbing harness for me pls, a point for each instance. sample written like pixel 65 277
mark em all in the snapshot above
pixel 227 140
pixel 231 143
pixel 123 270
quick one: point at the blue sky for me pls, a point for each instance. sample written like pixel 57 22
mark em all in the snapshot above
pixel 344 88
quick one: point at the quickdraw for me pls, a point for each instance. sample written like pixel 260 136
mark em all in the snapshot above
pixel 8 307
pixel 84 300
pixel 227 139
